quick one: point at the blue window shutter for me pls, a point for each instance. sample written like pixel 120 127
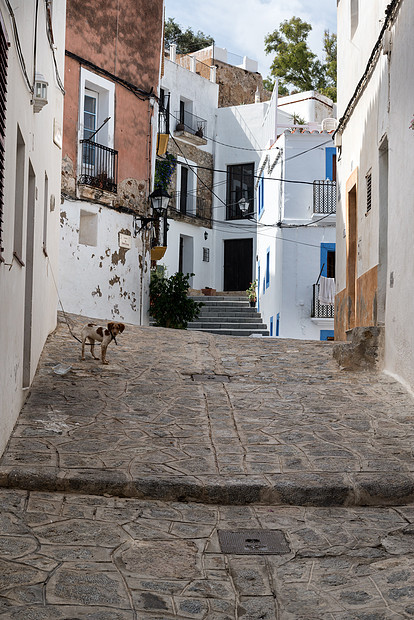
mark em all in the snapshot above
pixel 277 323
pixel 325 248
pixel 330 152
pixel 271 326
pixel 267 267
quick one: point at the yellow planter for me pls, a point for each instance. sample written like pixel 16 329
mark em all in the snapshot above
pixel 162 143
pixel 158 252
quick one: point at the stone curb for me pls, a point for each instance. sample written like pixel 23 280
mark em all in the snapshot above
pixel 308 489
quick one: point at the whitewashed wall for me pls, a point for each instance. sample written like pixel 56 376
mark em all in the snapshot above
pixel 310 105
pixel 38 132
pixel 102 279
pixel 294 252
pixel 384 112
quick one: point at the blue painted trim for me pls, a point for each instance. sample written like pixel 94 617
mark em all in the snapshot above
pixel 329 154
pixel 267 267
pixel 271 326
pixel 325 248
pixel 325 333
pixel 260 195
pixel 277 323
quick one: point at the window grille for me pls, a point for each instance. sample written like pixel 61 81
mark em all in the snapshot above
pixel 369 190
pixel 3 92
pixel 206 255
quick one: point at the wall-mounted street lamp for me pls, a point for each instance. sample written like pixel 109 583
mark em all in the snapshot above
pixel 244 206
pixel 39 99
pixel 159 200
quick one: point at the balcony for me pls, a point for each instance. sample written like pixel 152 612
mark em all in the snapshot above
pixel 320 311
pixel 190 128
pixel 192 206
pixel 324 197
pixel 99 166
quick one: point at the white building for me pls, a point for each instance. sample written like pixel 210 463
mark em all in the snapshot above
pixel 191 102
pixel 375 252
pixel 296 196
pixel 31 142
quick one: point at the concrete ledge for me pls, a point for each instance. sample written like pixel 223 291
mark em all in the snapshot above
pixel 307 489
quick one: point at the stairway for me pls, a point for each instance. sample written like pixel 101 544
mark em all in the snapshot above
pixel 230 316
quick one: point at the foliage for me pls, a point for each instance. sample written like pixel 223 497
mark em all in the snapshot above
pixel 187 41
pixel 298 120
pixel 169 304
pixel 251 291
pixel 295 64
pixel 164 169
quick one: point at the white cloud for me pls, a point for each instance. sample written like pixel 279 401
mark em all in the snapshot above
pixel 241 25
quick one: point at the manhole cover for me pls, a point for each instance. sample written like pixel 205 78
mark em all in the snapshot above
pixel 209 378
pixel 253 542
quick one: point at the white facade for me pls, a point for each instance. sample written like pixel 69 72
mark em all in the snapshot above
pixel 293 239
pixel 376 140
pixel 28 264
pixel 311 106
pixel 200 98
pixel 95 242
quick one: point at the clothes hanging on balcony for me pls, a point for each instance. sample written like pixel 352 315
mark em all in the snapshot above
pixel 327 291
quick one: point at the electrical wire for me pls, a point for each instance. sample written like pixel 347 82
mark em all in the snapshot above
pixel 243 148
pixel 19 48
pixel 49 32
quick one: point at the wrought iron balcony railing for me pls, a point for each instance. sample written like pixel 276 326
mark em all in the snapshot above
pixel 324 197
pixel 320 311
pixel 190 123
pixel 99 166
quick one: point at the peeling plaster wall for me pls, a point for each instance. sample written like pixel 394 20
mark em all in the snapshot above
pixel 102 280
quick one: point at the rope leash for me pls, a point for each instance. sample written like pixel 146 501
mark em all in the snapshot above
pixel 89 344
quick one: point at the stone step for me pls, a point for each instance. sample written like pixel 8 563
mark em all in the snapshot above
pixel 229 319
pixel 232 332
pixel 224 324
pixel 208 298
pixel 240 314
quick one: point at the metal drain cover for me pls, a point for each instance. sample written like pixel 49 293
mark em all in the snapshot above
pixel 253 542
pixel 209 378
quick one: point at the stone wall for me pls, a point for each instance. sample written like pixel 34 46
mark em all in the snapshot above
pixel 184 150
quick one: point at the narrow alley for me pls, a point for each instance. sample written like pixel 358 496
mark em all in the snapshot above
pixel 120 481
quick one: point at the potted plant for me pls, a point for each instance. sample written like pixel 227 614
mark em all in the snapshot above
pixel 207 290
pixel 251 293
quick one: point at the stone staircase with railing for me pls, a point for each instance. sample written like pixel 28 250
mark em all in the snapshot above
pixel 228 315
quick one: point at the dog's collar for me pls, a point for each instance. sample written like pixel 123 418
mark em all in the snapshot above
pixel 112 337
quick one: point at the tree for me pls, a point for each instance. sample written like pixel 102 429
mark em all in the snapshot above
pixel 187 41
pixel 296 66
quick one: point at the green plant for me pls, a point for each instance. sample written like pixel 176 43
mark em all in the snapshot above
pixel 169 304
pixel 164 169
pixel 251 291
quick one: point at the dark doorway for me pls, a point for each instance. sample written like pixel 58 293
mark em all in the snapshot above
pixel 238 262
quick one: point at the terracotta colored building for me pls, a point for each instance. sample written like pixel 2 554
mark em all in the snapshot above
pixel 111 78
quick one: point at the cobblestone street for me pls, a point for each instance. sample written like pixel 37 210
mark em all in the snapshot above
pixel 118 478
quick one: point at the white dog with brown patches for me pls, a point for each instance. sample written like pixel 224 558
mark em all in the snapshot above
pixel 105 335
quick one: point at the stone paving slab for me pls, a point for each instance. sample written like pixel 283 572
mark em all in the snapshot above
pixel 106 558
pixel 281 425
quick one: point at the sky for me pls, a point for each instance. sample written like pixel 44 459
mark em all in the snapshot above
pixel 241 25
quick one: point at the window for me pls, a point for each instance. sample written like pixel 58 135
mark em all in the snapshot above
pixel 3 92
pixel 19 196
pixel 330 163
pixel 271 326
pixel 240 184
pixel 164 117
pixel 368 180
pixel 260 195
pixel 88 228
pixel 328 260
pixel 354 16
pixel 206 255
pixel 268 268
pixel 277 324
pixel 186 182
pixel 45 212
